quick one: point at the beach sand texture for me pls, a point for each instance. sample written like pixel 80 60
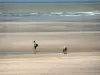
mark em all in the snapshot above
pixel 51 36
pixel 83 49
pixel 86 63
pixel 53 26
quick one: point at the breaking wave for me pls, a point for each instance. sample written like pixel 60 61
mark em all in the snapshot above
pixel 93 13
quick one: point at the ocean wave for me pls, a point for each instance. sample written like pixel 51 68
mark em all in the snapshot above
pixel 52 14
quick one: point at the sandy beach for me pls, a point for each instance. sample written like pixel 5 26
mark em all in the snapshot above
pixel 53 25
pixel 50 41
pixel 81 38
pixel 51 36
pixel 83 63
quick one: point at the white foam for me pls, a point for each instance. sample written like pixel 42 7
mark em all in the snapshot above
pixel 90 13
pixel 34 13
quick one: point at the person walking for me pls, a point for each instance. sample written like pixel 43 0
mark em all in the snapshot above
pixel 35 47
pixel 65 50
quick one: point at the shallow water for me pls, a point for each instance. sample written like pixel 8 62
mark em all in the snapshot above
pixel 20 53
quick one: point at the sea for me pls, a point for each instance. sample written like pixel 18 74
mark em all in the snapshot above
pixel 50 12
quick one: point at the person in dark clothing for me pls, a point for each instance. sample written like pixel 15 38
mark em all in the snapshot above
pixel 65 50
pixel 35 46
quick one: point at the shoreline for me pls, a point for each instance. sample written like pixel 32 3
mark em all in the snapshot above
pixel 42 22
pixel 76 54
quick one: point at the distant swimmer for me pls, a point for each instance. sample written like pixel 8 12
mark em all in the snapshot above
pixel 35 46
pixel 65 50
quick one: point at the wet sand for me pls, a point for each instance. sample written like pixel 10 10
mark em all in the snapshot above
pixel 51 36
pixel 50 41
pixel 10 27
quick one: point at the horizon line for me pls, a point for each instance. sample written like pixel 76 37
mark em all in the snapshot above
pixel 53 2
